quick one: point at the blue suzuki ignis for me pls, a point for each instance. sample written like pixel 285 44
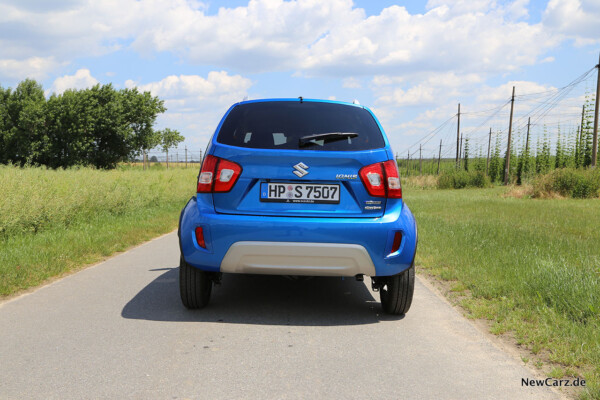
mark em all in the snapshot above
pixel 298 187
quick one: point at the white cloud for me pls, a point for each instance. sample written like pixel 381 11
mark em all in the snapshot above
pixel 82 79
pixel 454 37
pixel 504 92
pixel 416 95
pixel 351 83
pixel 425 91
pixel 385 80
pixel 327 38
pixel 32 67
pixel 460 6
pixel 264 35
pixel 218 87
pixel 576 19
pixel 195 104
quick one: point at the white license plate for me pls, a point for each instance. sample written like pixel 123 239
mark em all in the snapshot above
pixel 288 192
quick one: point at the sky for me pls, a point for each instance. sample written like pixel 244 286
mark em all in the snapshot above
pixel 411 62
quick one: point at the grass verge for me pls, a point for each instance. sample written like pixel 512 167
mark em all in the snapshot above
pixel 56 222
pixel 530 267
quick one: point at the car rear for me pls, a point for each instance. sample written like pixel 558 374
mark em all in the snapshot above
pixel 298 187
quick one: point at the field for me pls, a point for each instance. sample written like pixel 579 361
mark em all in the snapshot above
pixel 531 267
pixel 56 221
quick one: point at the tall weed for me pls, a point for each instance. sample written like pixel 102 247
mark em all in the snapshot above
pixel 568 182
pixel 463 179
pixel 34 199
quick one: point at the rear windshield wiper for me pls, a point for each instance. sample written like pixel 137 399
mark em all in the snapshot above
pixel 327 137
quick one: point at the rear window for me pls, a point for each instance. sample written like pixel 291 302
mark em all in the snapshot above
pixel 290 124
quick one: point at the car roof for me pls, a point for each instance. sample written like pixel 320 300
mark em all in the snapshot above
pixel 300 99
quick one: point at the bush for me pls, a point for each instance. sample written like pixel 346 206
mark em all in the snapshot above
pixel 462 179
pixel 568 182
pixel 480 180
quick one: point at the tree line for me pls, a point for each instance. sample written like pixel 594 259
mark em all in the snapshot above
pixel 99 126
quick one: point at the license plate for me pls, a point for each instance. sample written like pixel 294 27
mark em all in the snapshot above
pixel 299 193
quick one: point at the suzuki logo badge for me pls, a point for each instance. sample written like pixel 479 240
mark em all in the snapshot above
pixel 300 169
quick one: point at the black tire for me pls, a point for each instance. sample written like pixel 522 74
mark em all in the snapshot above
pixel 195 286
pixel 397 292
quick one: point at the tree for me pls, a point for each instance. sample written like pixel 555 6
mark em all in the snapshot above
pixel 24 114
pixel 88 127
pixel 70 126
pixel 98 126
pixel 5 122
pixel 141 110
pixel 169 138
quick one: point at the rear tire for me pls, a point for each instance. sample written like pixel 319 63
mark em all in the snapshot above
pixel 397 292
pixel 195 285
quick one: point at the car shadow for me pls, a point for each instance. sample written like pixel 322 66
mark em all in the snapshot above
pixel 262 300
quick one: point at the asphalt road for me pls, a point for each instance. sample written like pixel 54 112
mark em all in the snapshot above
pixel 118 330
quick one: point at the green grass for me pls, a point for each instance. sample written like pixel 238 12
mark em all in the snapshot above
pixel 55 221
pixel 532 267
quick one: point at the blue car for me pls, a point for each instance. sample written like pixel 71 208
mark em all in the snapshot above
pixel 298 187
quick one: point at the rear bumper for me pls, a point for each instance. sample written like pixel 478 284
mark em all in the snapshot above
pixel 297 258
pixel 298 245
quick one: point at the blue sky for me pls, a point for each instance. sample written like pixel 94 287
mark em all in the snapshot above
pixel 411 62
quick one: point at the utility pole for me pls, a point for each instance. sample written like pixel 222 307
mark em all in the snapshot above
pixel 420 162
pixel 458 136
pixel 185 157
pixel 439 157
pixel 507 165
pixel 487 163
pixel 460 152
pixel 595 144
pixel 407 161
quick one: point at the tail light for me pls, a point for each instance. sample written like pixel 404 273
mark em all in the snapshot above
pixel 217 175
pixel 382 179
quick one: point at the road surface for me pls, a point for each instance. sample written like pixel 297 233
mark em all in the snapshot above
pixel 118 330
